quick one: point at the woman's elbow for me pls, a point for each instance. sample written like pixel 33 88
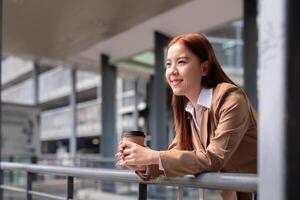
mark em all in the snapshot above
pixel 216 163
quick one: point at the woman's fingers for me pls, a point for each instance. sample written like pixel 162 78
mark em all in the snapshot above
pixel 126 144
pixel 124 160
pixel 127 151
pixel 129 157
pixel 119 154
pixel 127 162
pixel 120 163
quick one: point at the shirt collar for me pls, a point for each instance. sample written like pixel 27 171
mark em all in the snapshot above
pixel 204 99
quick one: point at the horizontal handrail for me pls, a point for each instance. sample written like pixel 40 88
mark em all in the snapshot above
pixel 219 181
pixel 39 194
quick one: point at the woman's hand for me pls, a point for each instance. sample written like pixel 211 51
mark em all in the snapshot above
pixel 121 156
pixel 134 154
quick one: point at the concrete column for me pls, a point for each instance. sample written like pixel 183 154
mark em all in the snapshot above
pixel 279 105
pixel 250 50
pixel 293 100
pixel 108 117
pixel 73 108
pixel 108 114
pixel 158 97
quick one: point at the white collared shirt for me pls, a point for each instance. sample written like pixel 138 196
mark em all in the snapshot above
pixel 204 100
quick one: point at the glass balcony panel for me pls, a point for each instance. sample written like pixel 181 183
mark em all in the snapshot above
pixel 56 123
pixel 13 67
pixel 54 83
pixel 21 93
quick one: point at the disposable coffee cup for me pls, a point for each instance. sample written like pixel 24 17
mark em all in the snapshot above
pixel 137 137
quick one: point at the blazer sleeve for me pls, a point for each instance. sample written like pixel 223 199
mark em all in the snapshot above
pixel 234 119
pixel 153 171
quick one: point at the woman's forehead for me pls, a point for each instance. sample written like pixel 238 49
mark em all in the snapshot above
pixel 178 50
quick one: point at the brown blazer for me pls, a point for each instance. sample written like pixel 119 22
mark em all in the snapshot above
pixel 227 142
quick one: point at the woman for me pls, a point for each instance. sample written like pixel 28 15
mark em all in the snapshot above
pixel 215 123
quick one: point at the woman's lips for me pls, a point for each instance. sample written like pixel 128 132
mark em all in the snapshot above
pixel 175 82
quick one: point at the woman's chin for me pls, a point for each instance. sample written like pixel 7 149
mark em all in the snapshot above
pixel 177 92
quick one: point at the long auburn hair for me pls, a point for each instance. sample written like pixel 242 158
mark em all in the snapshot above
pixel 200 46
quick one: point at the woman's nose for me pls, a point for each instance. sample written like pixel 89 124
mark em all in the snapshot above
pixel 174 70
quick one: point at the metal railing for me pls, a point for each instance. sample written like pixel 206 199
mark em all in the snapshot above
pixel 218 181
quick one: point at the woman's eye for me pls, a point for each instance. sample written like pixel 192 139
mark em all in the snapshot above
pixel 181 62
pixel 168 65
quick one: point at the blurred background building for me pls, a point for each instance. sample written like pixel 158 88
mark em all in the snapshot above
pixel 55 115
pixel 134 70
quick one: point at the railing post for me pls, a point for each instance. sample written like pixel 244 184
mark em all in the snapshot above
pixel 70 188
pixel 29 185
pixel 180 193
pixel 11 173
pixel 33 160
pixel 142 191
pixel 254 196
pixel 1 183
pixel 1 30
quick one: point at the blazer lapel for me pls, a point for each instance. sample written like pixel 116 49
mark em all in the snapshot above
pixel 195 137
pixel 204 126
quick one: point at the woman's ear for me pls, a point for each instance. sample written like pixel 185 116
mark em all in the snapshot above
pixel 205 68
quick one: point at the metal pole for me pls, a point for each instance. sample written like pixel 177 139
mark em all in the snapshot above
pixel 254 196
pixel 11 173
pixel 1 23
pixel 180 193
pixel 29 185
pixel 70 187
pixel 250 50
pixel 225 181
pixel 73 107
pixel 142 191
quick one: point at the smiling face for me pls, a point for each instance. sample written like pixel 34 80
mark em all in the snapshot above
pixel 184 71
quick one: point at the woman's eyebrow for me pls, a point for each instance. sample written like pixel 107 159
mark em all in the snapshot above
pixel 183 57
pixel 180 57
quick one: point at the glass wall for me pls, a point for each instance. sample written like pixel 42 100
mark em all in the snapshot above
pixel 133 94
pixel 228 46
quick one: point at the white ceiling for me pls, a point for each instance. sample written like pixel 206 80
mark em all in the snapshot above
pixel 78 31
